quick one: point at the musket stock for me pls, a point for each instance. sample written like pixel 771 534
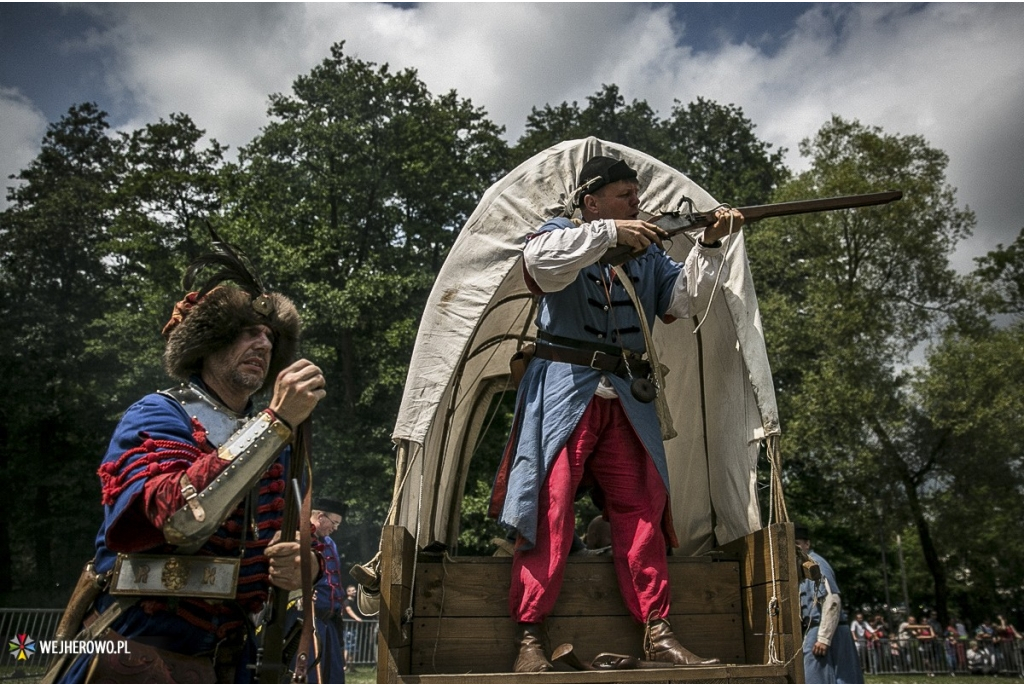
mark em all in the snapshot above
pixel 696 221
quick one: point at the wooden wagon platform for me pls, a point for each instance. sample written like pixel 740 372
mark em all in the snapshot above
pixel 445 619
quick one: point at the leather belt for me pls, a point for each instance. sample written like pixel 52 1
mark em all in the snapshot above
pixel 596 359
pixel 588 345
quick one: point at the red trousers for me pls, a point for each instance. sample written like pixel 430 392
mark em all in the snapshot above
pixel 604 445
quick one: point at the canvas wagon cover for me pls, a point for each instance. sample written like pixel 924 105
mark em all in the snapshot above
pixel 480 311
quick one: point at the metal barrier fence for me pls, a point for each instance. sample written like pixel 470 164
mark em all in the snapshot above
pixel 361 642
pixel 21 658
pixel 895 655
pixel 40 624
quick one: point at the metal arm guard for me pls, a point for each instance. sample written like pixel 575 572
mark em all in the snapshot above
pixel 251 451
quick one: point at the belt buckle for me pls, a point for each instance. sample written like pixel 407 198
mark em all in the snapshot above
pixel 593 361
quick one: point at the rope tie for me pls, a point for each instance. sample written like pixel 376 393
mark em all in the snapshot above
pixel 772 449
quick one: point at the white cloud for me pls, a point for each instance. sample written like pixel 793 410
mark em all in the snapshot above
pixel 20 134
pixel 947 71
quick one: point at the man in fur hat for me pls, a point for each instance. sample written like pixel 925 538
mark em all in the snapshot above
pixel 193 487
pixel 584 413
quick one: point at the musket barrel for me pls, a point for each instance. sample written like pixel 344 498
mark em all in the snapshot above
pixel 623 253
pixel 756 212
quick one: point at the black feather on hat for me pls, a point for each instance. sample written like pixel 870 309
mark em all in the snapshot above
pixel 230 300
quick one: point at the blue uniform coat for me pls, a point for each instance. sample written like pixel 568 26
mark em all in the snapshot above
pixel 185 626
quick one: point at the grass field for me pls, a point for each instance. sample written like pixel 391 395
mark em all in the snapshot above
pixel 362 674
pixel 368 674
pixel 939 678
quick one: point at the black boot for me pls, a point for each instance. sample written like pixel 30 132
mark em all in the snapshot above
pixel 661 645
pixel 532 640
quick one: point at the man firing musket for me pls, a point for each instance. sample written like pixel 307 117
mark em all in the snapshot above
pixel 585 410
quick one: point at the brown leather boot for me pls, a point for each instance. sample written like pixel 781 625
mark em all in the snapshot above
pixel 662 646
pixel 532 639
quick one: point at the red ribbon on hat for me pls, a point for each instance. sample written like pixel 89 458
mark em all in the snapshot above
pixel 181 310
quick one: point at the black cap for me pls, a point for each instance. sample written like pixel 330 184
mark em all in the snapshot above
pixel 801 532
pixel 330 506
pixel 600 171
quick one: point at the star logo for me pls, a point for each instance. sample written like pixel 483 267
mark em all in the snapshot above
pixel 22 647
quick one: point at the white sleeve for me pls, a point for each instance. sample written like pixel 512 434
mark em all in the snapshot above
pixel 696 281
pixel 831 608
pixel 554 258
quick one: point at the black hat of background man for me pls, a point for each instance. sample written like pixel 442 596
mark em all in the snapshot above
pixel 605 170
pixel 801 532
pixel 330 506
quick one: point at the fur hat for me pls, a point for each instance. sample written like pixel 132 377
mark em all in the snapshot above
pixel 212 318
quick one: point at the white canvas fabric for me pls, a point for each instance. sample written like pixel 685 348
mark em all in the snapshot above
pixel 479 310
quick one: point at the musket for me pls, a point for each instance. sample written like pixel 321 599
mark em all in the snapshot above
pixel 692 221
pixel 277 649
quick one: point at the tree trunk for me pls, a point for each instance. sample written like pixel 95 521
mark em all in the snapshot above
pixel 910 482
pixel 931 555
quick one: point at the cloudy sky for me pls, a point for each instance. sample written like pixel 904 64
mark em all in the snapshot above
pixel 951 72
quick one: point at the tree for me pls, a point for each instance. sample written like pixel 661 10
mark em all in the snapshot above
pixel 606 116
pixel 350 198
pixel 168 195
pixel 715 146
pixel 1001 274
pixel 971 391
pixel 52 282
pixel 92 250
pixel 846 297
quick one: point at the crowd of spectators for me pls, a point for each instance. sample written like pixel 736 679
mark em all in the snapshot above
pixel 992 647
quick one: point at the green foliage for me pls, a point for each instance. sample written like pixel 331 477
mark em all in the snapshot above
pixel 52 280
pixel 713 144
pixel 351 198
pixel 607 116
pixel 168 193
pixel 477 528
pixel 971 391
pixel 870 445
pixel 1001 275
pixel 92 249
